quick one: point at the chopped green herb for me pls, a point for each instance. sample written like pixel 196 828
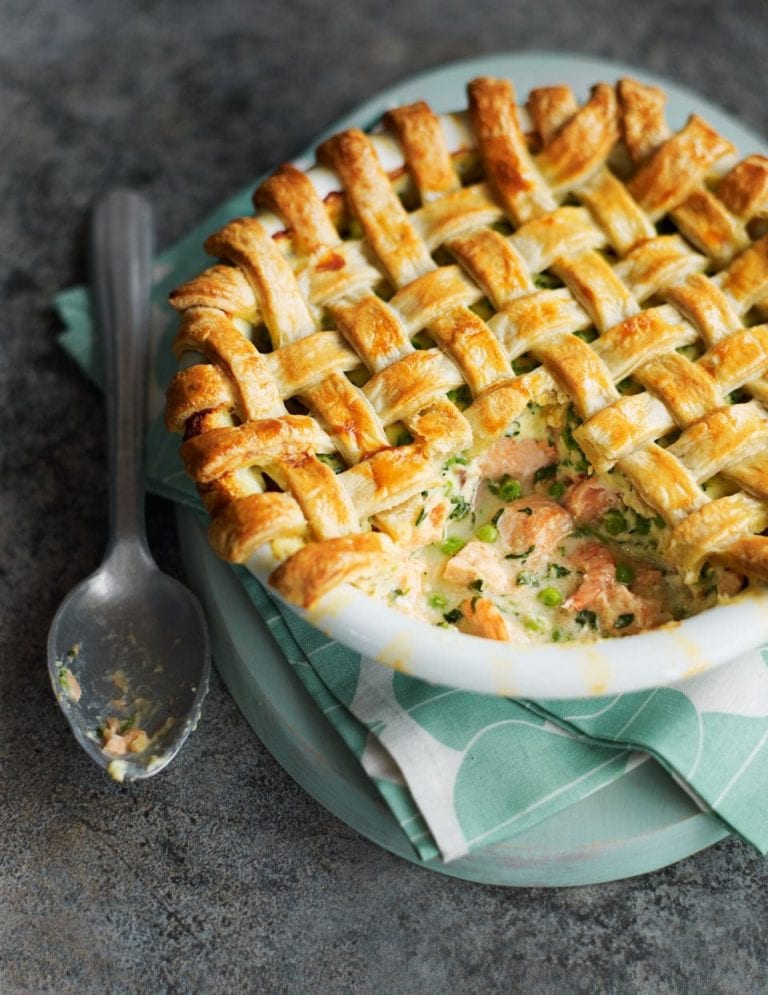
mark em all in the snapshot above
pixel 497 516
pixel 524 579
pixel 524 511
pixel 127 724
pixel 550 596
pixel 557 570
pixel 404 439
pixel 421 516
pixel 544 473
pixel 624 573
pixel 573 421
pixel 520 556
pixel 487 533
pixel 476 585
pixel 623 621
pixel 455 459
pixel 556 635
pixel 451 545
pixel 437 601
pixel 461 508
pixel 460 396
pixel 334 462
pixel 556 490
pixel 615 523
pixel 585 617
pixel 506 487
pixel 659 522
pixel 568 439
pixel 399 593
pixel 453 616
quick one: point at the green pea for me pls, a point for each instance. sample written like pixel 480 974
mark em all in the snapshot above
pixel 614 522
pixel 487 533
pixel 533 624
pixel 451 545
pixel 506 487
pixel 624 573
pixel 556 490
pixel 550 596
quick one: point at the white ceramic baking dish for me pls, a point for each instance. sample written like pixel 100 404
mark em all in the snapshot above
pixel 671 653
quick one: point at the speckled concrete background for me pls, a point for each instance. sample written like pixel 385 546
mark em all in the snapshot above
pixel 221 875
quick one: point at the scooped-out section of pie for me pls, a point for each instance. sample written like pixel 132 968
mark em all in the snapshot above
pixel 503 370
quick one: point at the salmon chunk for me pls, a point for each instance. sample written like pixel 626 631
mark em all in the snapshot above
pixel 534 523
pixel 616 605
pixel 481 617
pixel 519 458
pixel 479 561
pixel 589 499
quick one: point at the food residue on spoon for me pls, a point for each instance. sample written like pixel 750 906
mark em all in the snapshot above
pixel 67 680
pixel 120 736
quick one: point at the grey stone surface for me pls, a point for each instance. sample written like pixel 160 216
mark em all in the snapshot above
pixel 221 875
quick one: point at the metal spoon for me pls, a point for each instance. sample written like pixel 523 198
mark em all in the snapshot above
pixel 128 649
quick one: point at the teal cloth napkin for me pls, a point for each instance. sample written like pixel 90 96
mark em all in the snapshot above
pixel 460 770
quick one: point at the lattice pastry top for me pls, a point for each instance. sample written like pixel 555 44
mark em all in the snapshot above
pixel 597 260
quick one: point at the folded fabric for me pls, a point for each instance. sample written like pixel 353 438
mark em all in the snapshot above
pixel 460 770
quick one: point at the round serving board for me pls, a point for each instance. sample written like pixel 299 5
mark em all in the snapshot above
pixel 637 824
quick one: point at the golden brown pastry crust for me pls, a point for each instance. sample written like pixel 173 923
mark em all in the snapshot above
pixel 675 312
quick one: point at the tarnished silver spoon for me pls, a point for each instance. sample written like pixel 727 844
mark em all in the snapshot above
pixel 128 650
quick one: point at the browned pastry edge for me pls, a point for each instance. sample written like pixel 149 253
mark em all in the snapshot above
pixel 317 568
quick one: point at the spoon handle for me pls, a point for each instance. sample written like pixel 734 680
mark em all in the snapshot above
pixel 121 279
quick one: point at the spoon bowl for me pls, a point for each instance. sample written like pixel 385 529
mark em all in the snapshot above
pixel 128 649
pixel 126 643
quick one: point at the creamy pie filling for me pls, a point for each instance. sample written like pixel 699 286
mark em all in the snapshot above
pixel 523 543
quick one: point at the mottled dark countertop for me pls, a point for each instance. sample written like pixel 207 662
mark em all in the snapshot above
pixel 221 874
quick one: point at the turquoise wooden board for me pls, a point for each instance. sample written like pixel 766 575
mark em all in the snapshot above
pixel 637 824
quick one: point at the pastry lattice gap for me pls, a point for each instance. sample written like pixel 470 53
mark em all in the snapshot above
pixel 570 201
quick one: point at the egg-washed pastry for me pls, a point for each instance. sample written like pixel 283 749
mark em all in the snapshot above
pixel 504 371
